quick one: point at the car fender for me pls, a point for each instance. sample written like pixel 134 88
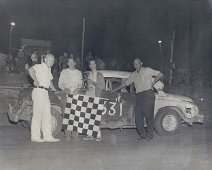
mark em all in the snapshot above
pixel 180 112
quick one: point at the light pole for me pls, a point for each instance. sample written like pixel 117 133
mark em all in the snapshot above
pixel 12 24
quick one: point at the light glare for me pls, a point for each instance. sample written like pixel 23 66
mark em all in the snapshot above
pixel 13 23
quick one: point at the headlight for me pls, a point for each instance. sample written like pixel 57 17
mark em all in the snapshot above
pixel 191 110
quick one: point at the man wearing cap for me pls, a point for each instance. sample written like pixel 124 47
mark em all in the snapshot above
pixel 145 98
pixel 41 119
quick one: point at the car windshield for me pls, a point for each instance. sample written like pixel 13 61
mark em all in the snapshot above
pixel 112 83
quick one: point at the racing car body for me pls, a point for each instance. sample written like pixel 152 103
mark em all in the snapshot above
pixel 170 110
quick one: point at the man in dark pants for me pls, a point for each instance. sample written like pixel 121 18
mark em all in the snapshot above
pixel 145 98
pixel 145 102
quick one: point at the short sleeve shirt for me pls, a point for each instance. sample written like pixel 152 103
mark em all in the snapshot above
pixel 70 79
pixel 43 74
pixel 143 79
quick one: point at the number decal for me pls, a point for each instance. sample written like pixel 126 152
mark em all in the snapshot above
pixel 104 108
pixel 112 110
pixel 121 107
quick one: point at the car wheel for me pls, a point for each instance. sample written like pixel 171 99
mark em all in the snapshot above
pixel 25 124
pixel 167 122
pixel 56 121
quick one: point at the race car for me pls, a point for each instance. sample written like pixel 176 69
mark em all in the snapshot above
pixel 170 110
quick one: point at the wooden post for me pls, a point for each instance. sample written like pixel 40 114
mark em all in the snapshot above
pixel 161 60
pixel 83 41
pixel 10 42
pixel 171 60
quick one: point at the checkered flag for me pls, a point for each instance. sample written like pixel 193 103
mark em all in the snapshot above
pixel 83 114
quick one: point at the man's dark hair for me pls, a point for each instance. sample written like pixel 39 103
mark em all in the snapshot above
pixel 91 59
pixel 137 58
pixel 73 58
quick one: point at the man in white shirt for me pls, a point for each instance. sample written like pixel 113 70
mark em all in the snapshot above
pixel 70 78
pixel 70 81
pixel 41 119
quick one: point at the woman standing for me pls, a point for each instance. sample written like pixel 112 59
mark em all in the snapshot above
pixel 96 84
pixel 96 81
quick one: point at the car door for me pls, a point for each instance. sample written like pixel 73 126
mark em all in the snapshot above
pixel 119 106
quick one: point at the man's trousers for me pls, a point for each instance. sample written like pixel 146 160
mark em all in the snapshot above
pixel 145 102
pixel 41 119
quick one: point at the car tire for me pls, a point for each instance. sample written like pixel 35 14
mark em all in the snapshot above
pixel 56 121
pixel 25 123
pixel 167 122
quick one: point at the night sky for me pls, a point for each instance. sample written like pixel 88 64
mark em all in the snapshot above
pixel 117 30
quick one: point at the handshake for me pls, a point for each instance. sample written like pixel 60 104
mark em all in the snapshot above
pixel 72 90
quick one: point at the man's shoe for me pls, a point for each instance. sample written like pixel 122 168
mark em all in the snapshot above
pixel 141 137
pixel 98 139
pixel 149 139
pixel 37 140
pixel 69 138
pixel 52 140
pixel 87 138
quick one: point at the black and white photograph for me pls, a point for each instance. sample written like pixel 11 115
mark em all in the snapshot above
pixel 105 84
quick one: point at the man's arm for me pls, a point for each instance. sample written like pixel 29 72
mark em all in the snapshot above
pixel 157 78
pixel 33 76
pixel 80 84
pixel 123 84
pixel 80 80
pixel 52 86
pixel 100 84
pixel 60 82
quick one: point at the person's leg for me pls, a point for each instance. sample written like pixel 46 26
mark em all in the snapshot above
pixel 139 116
pixel 37 115
pixel 68 135
pixel 149 104
pixel 99 135
pixel 75 136
pixel 63 101
pixel 46 121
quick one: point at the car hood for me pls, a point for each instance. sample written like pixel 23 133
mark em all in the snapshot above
pixel 173 97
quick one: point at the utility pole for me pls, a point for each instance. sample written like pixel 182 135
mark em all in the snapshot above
pixel 83 44
pixel 161 55
pixel 171 60
pixel 12 24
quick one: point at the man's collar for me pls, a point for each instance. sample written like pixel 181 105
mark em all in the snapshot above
pixel 139 70
pixel 45 65
pixel 73 69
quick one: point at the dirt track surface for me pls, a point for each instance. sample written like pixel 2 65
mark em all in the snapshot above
pixel 189 150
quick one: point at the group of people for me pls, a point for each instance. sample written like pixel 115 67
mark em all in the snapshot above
pixel 71 80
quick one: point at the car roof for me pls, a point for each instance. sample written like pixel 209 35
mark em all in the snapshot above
pixel 115 74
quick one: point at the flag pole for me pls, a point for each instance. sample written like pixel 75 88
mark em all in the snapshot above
pixel 83 42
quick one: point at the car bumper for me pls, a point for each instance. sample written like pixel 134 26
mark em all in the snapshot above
pixel 199 118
